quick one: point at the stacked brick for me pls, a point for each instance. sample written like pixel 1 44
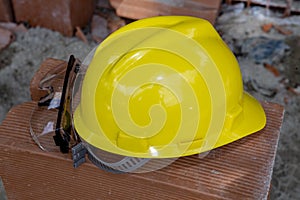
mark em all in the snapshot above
pixel 69 16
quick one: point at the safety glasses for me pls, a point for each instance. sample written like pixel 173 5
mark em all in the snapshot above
pixel 51 123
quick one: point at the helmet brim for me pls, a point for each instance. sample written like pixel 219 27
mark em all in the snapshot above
pixel 250 120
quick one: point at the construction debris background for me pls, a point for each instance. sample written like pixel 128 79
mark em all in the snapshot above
pixel 264 36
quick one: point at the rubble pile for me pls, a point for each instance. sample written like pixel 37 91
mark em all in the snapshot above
pixel 266 44
pixel 268 50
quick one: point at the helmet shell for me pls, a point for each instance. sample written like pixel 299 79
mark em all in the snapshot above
pixel 164 87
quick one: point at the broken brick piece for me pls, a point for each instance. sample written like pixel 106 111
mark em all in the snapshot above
pixel 6 14
pixel 267 27
pixel 272 69
pixel 282 30
pixel 138 9
pixel 6 38
pixel 293 90
pixel 58 15
pixel 80 34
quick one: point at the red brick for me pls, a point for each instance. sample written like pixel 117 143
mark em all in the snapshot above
pixel 58 15
pixel 80 34
pixel 138 9
pixel 240 170
pixel 5 11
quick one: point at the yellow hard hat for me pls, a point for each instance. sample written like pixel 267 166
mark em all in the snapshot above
pixel 164 87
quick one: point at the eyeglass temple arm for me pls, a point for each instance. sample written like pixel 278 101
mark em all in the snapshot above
pixel 63 139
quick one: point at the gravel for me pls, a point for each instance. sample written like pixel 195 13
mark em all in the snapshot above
pixel 23 57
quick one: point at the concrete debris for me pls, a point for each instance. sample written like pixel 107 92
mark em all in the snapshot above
pixel 6 38
pixel 264 50
pixel 291 66
pixel 267 47
pixel 99 29
pixel 22 58
pixel 104 22
pixel 269 62
pixel 252 85
pixel 2 191
pixel 288 5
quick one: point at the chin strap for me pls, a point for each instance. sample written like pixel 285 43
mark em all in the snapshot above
pixel 127 164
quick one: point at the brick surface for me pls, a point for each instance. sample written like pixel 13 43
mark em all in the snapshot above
pixel 240 170
pixel 6 14
pixel 138 9
pixel 58 15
